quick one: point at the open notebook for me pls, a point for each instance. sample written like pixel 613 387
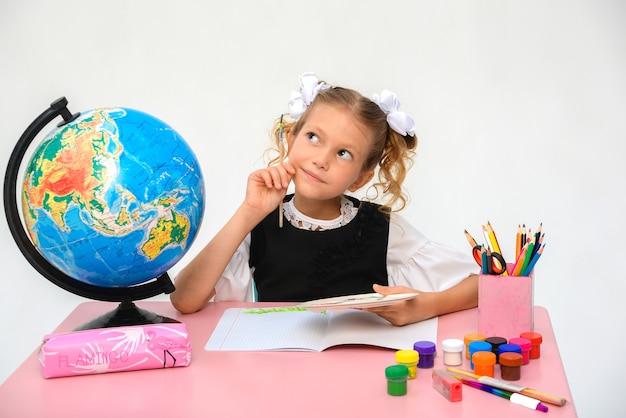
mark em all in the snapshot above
pixel 298 329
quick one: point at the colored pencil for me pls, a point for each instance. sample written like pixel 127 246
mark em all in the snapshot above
pixel 537 238
pixel 518 241
pixel 520 261
pixel 513 397
pixel 532 263
pixel 487 237
pixel 500 384
pixel 527 256
pixel 470 239
pixel 483 255
pixel 496 245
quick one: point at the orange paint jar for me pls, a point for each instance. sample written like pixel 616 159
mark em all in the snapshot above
pixel 484 363
pixel 469 338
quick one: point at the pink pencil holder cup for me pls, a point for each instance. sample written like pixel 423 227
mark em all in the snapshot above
pixel 505 305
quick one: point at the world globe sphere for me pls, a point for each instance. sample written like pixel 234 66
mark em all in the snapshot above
pixel 113 198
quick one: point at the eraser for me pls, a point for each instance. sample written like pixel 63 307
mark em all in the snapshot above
pixel 449 387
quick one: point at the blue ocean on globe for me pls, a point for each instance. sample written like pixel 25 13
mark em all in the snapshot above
pixel 114 198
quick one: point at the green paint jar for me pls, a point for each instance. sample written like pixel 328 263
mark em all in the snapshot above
pixel 397 376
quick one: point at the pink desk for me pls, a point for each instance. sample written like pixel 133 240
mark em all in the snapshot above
pixel 342 381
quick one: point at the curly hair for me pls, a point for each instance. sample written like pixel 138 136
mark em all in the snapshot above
pixel 391 152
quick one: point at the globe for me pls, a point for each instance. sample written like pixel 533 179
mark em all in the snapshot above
pixel 111 199
pixel 114 198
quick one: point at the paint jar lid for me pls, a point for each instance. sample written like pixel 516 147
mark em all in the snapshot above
pixel 506 348
pixel 511 359
pixel 524 343
pixel 534 337
pixel 453 345
pixel 407 356
pixel 397 371
pixel 483 358
pixel 425 347
pixel 496 341
pixel 468 338
pixel 479 346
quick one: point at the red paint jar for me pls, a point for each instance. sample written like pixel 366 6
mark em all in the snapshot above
pixel 535 339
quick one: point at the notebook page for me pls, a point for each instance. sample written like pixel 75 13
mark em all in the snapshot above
pixel 245 329
pixel 361 327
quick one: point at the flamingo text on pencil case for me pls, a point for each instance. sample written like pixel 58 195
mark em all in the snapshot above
pixel 94 358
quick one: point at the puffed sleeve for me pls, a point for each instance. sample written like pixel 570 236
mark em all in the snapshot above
pixel 415 261
pixel 236 282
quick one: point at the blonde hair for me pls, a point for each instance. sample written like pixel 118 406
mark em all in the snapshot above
pixel 391 152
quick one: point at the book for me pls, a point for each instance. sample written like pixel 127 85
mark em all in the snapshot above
pixel 298 329
pixel 364 300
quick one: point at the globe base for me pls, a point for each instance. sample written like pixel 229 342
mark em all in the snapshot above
pixel 126 314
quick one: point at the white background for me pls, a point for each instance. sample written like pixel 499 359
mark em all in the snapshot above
pixel 520 106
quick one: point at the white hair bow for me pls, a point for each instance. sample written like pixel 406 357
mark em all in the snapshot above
pixel 309 87
pixel 397 120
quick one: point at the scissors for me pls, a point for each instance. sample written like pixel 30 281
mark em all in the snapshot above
pixel 494 261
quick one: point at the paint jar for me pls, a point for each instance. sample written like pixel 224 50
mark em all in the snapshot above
pixel 509 348
pixel 510 366
pixel 397 376
pixel 469 338
pixel 496 342
pixel 427 351
pixel 484 362
pixel 536 340
pixel 476 346
pixel 525 345
pixel 452 352
pixel 409 358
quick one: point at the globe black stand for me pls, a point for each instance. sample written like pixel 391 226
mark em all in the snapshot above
pixel 127 313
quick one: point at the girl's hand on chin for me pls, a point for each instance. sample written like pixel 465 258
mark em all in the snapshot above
pixel 268 186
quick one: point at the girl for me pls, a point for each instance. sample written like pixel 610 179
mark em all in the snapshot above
pixel 331 244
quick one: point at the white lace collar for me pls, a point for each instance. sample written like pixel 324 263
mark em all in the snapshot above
pixel 301 221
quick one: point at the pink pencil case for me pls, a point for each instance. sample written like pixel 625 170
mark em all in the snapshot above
pixel 115 349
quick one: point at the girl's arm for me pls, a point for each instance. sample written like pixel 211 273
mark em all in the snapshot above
pixel 195 284
pixel 427 305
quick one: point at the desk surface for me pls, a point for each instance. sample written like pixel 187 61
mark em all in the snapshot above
pixel 341 381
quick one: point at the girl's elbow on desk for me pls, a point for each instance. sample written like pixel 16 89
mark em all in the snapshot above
pixel 187 305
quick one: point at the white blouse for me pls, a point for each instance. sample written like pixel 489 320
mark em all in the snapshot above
pixel 412 260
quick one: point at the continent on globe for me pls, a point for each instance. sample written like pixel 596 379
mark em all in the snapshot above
pixel 114 198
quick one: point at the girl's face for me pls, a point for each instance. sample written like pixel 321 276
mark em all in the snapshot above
pixel 329 154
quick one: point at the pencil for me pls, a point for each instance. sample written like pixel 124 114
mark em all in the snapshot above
pixel 281 159
pixel 527 257
pixel 500 384
pixel 496 245
pixel 537 239
pixel 520 261
pixel 513 397
pixel 518 241
pixel 533 261
pixel 487 237
pixel 470 239
pixel 489 262
pixel 483 254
